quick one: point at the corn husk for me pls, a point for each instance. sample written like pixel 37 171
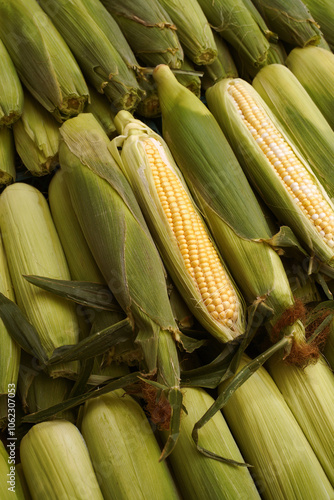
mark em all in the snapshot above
pixel 26 492
pixel 124 451
pixel 32 247
pixel 104 56
pixel 56 463
pixel 11 100
pixel 301 118
pixel 7 156
pixel 224 196
pixel 292 22
pixel 10 352
pixel 193 30
pixel 199 477
pixel 237 26
pixel 261 173
pixel 191 81
pixel 323 13
pixel 10 484
pixel 149 30
pixel 100 107
pixel 276 55
pixel 284 464
pixel 309 394
pixel 37 137
pixel 317 80
pixel 43 61
pixel 134 163
pixel 222 67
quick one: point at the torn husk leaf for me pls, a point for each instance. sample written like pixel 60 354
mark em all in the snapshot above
pixel 149 30
pixel 36 136
pixel 56 462
pixel 7 156
pixel 43 61
pixel 32 247
pixel 11 100
pixel 104 56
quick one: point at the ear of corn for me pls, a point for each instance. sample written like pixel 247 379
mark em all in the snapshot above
pixel 37 137
pixel 193 30
pixel 191 81
pixel 43 61
pixel 124 451
pixel 7 156
pixel 32 247
pixel 234 22
pixel 197 476
pixel 149 30
pixel 222 67
pixel 26 492
pixel 300 117
pixel 276 54
pixel 181 236
pixel 323 13
pixel 9 474
pixel 292 22
pixel 273 440
pixel 56 462
pixel 224 196
pixel 283 178
pixel 101 108
pixel 319 83
pixel 11 100
pixel 104 56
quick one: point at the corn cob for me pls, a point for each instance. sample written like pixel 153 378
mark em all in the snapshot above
pixel 36 137
pixel 10 484
pixel 32 247
pixel 283 178
pixel 309 394
pixel 222 67
pixel 7 157
pixel 193 30
pixel 237 26
pixel 56 463
pixel 108 69
pixel 105 205
pixel 319 84
pixel 224 196
pixel 100 107
pixel 43 61
pixel 301 119
pixel 124 451
pixel 180 234
pixel 11 100
pixel 323 13
pixel 292 22
pixel 199 477
pixel 149 31
pixel 284 464
pixel 270 35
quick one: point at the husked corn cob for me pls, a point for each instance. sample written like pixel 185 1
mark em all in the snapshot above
pixel 56 463
pixel 319 82
pixel 43 61
pixel 235 23
pixel 124 450
pixel 101 108
pixel 284 464
pixel 301 119
pixel 37 137
pixel 7 156
pixel 180 233
pixel 224 196
pixel 283 178
pixel 104 55
pixel 11 93
pixel 149 30
pixel 197 476
pixel 309 394
pixel 10 484
pixel 193 30
pixel 32 247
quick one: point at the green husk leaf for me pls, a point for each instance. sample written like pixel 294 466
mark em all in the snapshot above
pixel 11 100
pixel 7 157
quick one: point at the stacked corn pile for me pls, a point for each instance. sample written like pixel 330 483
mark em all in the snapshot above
pixel 166 250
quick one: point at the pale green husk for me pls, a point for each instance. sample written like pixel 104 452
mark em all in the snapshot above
pixel 5 470
pixel 37 137
pixel 7 156
pixel 11 93
pixel 270 439
pixel 32 247
pixel 124 450
pixel 43 61
pixel 323 13
pixel 56 463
